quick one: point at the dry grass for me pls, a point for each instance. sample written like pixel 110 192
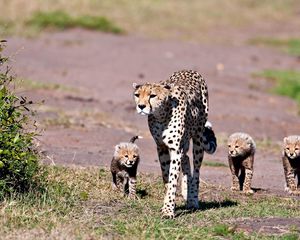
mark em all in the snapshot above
pixel 179 19
pixel 80 204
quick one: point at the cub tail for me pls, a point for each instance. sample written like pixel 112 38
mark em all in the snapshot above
pixel 132 140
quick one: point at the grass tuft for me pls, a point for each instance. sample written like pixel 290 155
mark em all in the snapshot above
pixel 287 82
pixel 61 20
pixel 290 46
pixel 223 230
pixel 213 164
pixel 29 84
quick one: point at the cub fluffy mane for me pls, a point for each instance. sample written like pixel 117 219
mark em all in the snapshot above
pixel 125 146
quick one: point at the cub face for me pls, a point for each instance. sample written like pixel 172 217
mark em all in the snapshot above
pixel 238 146
pixel 127 154
pixel 149 97
pixel 291 146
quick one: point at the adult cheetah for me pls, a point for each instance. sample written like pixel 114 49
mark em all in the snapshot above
pixel 177 111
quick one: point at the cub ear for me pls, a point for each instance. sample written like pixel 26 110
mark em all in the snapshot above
pixel 135 85
pixel 285 140
pixel 168 86
pixel 117 147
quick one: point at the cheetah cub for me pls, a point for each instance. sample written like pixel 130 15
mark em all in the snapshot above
pixel 291 163
pixel 124 166
pixel 241 150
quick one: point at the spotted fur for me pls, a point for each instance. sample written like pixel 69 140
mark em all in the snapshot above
pixel 291 163
pixel 177 111
pixel 241 150
pixel 124 166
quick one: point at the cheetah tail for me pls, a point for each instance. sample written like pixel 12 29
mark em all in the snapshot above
pixel 209 139
pixel 132 140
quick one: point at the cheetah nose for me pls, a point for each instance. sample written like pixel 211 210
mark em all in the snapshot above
pixel 131 162
pixel 231 151
pixel 141 106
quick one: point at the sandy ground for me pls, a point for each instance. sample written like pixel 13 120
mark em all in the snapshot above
pixel 94 110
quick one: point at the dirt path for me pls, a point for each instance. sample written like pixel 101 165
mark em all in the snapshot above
pixel 94 109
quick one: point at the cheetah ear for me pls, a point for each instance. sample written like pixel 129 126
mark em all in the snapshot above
pixel 285 140
pixel 135 85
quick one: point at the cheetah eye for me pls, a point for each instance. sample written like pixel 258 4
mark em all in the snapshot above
pixel 152 96
pixel 229 145
pixel 137 94
pixel 236 146
pixel 126 156
pixel 134 156
pixel 287 148
pixel 296 149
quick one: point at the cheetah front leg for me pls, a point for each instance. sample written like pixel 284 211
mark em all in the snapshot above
pixel 291 186
pixel 168 209
pixel 132 187
pixel 247 183
pixel 164 159
pixel 235 183
pixel 247 167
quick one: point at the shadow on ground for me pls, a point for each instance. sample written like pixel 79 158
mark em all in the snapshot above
pixel 203 206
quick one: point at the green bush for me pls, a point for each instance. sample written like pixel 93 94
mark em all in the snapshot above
pixel 19 162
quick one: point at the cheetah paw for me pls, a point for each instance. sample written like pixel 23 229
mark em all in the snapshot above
pixel 133 196
pixel 234 189
pixel 248 191
pixel 193 204
pixel 295 193
pixel 167 213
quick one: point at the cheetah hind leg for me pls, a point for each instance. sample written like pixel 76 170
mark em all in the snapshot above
pixel 186 176
pixel 193 188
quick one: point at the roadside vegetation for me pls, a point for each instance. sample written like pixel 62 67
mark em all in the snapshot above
pixel 62 20
pixel 286 82
pixel 162 19
pixel 290 46
pixel 81 204
pixel 20 170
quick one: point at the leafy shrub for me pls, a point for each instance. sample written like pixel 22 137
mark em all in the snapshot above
pixel 19 165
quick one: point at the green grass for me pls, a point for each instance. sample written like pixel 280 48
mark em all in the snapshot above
pixel 62 20
pixel 290 46
pixel 213 164
pixel 287 82
pixel 80 204
pixel 160 19
pixel 29 84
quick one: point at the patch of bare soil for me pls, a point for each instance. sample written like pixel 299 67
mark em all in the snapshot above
pixel 94 110
pixel 269 226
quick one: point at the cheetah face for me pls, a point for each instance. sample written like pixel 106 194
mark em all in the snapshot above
pixel 292 149
pixel 128 158
pixel 149 97
pixel 127 154
pixel 238 148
